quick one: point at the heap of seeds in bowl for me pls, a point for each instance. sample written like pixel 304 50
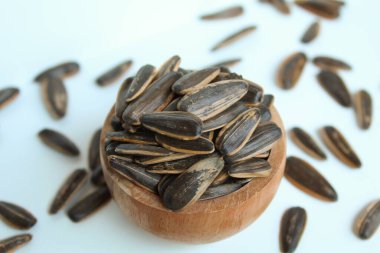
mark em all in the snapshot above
pixel 190 135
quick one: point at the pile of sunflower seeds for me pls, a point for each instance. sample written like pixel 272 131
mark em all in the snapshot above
pixel 190 135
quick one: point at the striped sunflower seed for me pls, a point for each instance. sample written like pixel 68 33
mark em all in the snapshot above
pixel 363 108
pixel 55 97
pixel 178 125
pixel 311 33
pixel 60 71
pixel 338 145
pixel 335 87
pixel 174 167
pixel 16 216
pixel 238 35
pixel 171 64
pixel 305 177
pixel 254 167
pixel 280 5
pixel 136 173
pixel 93 151
pixel 221 178
pixel 208 135
pixel 306 143
pixel 293 224
pixel 329 63
pixel 58 142
pixel 263 155
pixel 226 63
pixel 290 70
pixel 141 81
pixel 149 160
pixel 267 100
pixel 141 149
pixel 89 204
pixel 213 99
pixel 329 9
pixel 68 189
pixel 230 12
pixel 368 221
pixel 121 103
pixel 113 74
pixel 136 138
pixel 217 191
pixel 254 95
pixel 164 183
pixel 265 113
pixel 189 186
pixel 172 106
pixel 7 95
pixel 198 146
pixel 10 244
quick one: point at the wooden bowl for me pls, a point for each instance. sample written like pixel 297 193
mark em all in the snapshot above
pixel 204 221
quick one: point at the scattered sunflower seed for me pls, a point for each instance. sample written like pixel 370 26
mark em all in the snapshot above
pixel 60 71
pixel 226 63
pixel 329 63
pixel 363 108
pixel 329 9
pixel 227 13
pixel 7 95
pixel 311 33
pixel 290 70
pixel 16 216
pixel 55 97
pixel 335 87
pixel 113 74
pixel 234 37
pixel 293 224
pixel 368 221
pixel 10 244
pixel 93 151
pixel 97 176
pixel 305 142
pixel 279 5
pixel 58 142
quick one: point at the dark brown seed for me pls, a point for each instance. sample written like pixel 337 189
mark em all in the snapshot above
pixel 265 113
pixel 293 224
pixel 254 167
pixel 305 177
pixel 195 81
pixel 234 37
pixel 226 63
pixel 233 136
pixel 263 139
pixel 114 73
pixel 136 138
pixel 141 149
pixel 93 151
pixel 149 160
pixel 116 124
pixel 329 9
pixel 335 87
pixel 55 97
pixel 179 125
pixel 290 70
pixel 121 103
pixel 58 142
pixel 136 173
pixel 89 204
pixel 198 146
pixel 16 216
pixel 189 186
pixel 363 109
pixel 7 95
pixel 230 12
pixel 224 189
pixel 305 142
pixel 213 99
pixel 221 178
pixel 267 100
pixel 338 145
pixel 174 167
pixel 10 244
pixel 164 183
pixel 311 33
pixel 128 158
pixel 141 81
pixel 368 221
pixel 60 71
pixel 110 148
pixel 156 97
pixel 329 63
pixel 254 95
pixel 97 176
pixel 224 117
pixel 172 106
pixel 171 64
pixel 280 5
pixel 68 190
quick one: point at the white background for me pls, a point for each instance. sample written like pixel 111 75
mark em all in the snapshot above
pixel 98 34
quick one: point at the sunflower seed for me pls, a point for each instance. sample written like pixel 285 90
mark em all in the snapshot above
pixel 55 97
pixel 263 155
pixel 368 221
pixel 179 125
pixel 280 5
pixel 141 81
pixel 93 151
pixel 338 145
pixel 254 95
pixel 208 135
pixel 230 12
pixel 234 37
pixel 68 189
pixel 172 64
pixel 329 9
pixel 254 167
pixel 136 173
pixel 136 138
pixel 223 189
pixel 226 63
pixel 198 146
pixel 89 204
pixel 127 158
pixel 110 148
pixel 97 176
pixel 293 224
pixel 194 81
pixel 164 183
pixel 149 160
pixel 114 73
pixel 265 113
pixel 263 139
pixel 290 70
pixel 7 95
pixel 213 99
pixel 16 216
pixel 329 63
pixel 174 167
pixel 225 75
pixel 233 136
pixel 172 106
pixel 58 142
pixel 311 33
pixel 305 142
pixel 10 244
pixel 116 124
pixel 221 178
pixel 335 87
pixel 305 177
pixel 189 186
pixel 141 149
pixel 60 71
pixel 267 100
pixel 157 96
pixel 363 109
pixel 121 103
